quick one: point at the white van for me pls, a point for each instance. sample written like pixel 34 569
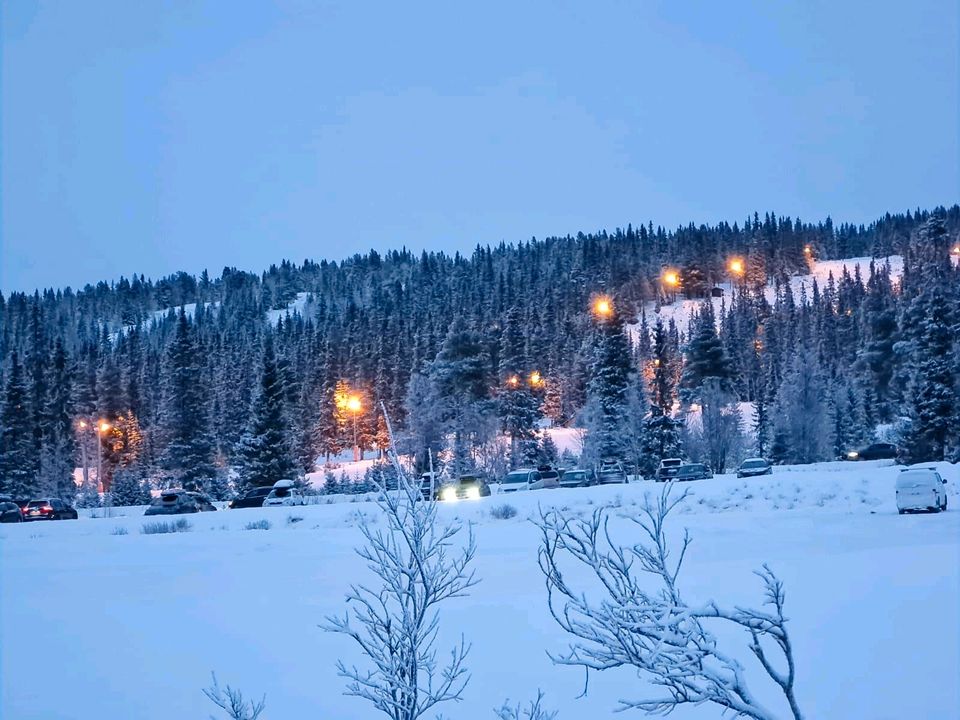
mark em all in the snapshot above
pixel 921 490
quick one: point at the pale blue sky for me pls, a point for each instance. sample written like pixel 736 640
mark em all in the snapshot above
pixel 157 136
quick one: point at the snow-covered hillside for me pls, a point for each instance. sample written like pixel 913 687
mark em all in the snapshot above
pixel 821 270
pixel 131 625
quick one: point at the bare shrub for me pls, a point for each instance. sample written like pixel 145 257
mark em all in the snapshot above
pixel 649 626
pixel 503 512
pixel 395 624
pixel 162 527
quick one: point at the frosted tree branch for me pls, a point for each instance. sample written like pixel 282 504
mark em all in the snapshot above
pixel 395 625
pixel 640 619
pixel 233 703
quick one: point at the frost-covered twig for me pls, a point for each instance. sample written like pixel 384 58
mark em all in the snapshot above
pixel 233 703
pixel 395 624
pixel 648 625
pixel 534 711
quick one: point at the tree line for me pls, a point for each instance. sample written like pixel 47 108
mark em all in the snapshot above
pixel 214 381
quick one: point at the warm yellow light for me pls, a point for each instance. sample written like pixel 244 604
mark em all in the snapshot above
pixel 603 306
pixel 656 362
pixel 671 278
pixel 353 404
pixel 535 378
pixel 956 250
pixel 104 426
pixel 83 424
pixel 513 381
pixel 807 249
pixel 736 266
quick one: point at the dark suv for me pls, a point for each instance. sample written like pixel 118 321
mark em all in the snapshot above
pixel 10 512
pixel 49 509
pixel 877 451
pixel 251 498
pixel 693 471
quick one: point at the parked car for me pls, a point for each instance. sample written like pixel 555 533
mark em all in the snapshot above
pixel 876 451
pixel 611 472
pixel 921 490
pixel 693 471
pixel 179 502
pixel 549 478
pixel 668 469
pixel 250 499
pixel 10 512
pixel 520 479
pixel 754 466
pixel 466 487
pixel 284 494
pixel 49 509
pixel 575 477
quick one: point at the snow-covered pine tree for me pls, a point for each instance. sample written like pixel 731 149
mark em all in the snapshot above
pixel 934 398
pixel 17 477
pixel 58 456
pixel 461 387
pixel 266 451
pixel 518 400
pixel 801 425
pixel 606 418
pixel 188 454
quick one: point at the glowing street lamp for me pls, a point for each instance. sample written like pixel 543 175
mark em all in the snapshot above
pixel 535 379
pixel 736 266
pixel 603 307
pixel 513 381
pixel 808 251
pixel 671 278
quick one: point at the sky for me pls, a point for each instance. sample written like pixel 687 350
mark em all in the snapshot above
pixel 154 137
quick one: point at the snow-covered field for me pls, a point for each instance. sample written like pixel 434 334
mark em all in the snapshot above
pixel 95 624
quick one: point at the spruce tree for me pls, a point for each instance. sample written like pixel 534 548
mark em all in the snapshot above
pixel 58 457
pixel 188 455
pixel 17 477
pixel 606 415
pixel 518 402
pixel 266 450
pixel 933 394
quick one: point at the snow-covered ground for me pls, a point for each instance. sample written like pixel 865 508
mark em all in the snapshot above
pixel 681 310
pixel 95 624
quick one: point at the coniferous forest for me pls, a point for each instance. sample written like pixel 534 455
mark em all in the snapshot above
pixel 243 378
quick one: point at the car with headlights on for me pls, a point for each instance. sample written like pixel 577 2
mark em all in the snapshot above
pixel 752 467
pixel 876 451
pixel 466 487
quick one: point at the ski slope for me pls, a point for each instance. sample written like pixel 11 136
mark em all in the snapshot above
pixel 681 310
pixel 131 625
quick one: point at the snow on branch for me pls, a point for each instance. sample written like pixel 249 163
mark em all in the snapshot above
pixel 395 624
pixel 233 703
pixel 642 621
